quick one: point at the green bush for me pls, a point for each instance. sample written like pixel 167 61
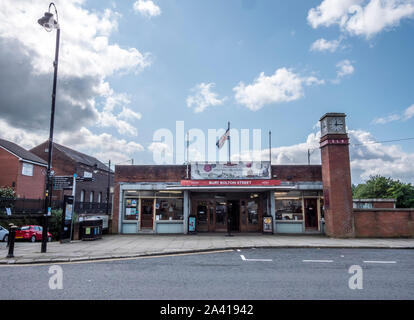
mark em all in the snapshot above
pixel 7 193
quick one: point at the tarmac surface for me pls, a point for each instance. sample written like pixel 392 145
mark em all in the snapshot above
pixel 129 246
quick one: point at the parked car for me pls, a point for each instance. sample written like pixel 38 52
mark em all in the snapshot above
pixel 4 234
pixel 31 233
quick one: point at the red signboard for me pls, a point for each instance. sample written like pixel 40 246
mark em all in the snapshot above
pixel 220 183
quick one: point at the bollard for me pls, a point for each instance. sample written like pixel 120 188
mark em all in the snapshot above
pixel 8 238
pixel 12 236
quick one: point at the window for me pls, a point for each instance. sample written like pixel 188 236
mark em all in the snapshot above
pixel 252 211
pixel 131 209
pixel 82 196
pixel 91 196
pixel 27 169
pixel 289 209
pixel 169 209
pixel 100 197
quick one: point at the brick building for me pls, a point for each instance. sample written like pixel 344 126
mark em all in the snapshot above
pixel 22 170
pixel 240 197
pixel 91 196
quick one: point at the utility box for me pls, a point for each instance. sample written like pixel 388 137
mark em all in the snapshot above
pixel 91 229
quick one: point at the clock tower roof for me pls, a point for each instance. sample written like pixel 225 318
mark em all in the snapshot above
pixel 332 114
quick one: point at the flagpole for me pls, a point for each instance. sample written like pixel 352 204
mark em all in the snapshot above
pixel 188 145
pixel 228 138
pixel 270 146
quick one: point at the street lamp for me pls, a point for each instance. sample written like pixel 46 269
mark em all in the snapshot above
pixel 49 23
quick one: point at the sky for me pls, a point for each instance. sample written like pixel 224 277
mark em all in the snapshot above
pixel 130 71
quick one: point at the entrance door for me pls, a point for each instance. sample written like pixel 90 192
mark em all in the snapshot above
pixel 311 214
pixel 147 213
pixel 234 215
pixel 204 211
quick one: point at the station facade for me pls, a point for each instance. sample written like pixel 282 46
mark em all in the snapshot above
pixel 235 197
pixel 223 197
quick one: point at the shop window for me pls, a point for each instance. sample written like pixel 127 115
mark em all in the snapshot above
pixel 131 209
pixel 252 211
pixel 169 209
pixel 289 209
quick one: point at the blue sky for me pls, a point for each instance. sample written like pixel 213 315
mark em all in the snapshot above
pixel 225 45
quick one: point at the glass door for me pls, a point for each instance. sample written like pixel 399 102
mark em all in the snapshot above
pixel 311 214
pixel 221 216
pixel 147 213
pixel 202 214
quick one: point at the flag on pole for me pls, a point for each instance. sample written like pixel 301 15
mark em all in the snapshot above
pixel 223 139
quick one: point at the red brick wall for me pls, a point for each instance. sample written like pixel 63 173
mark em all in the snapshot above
pixel 171 173
pixel 25 186
pixel 61 164
pixel 383 223
pixel 336 179
pixel 294 173
pixel 150 173
pixel 9 167
pixel 383 204
pixel 31 187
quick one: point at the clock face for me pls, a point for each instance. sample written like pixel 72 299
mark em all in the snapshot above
pixel 336 125
pixel 324 126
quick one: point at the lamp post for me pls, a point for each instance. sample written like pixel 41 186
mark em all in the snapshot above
pixel 49 23
pixel 108 191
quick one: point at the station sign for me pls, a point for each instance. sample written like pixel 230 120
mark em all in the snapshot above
pixel 226 183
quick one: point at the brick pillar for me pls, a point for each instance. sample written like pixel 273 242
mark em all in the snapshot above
pixel 336 176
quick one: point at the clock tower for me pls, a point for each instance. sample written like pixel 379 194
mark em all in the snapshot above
pixel 336 176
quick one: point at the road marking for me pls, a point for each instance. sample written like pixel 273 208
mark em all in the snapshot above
pixel 380 261
pixel 317 260
pixel 244 259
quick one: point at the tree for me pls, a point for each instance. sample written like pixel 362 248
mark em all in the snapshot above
pixel 379 187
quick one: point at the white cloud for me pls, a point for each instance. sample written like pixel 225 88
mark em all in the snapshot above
pixel 203 97
pixel 283 86
pixel 87 58
pixel 370 158
pixel 147 8
pixel 102 146
pixel 345 68
pixel 361 17
pixel 406 115
pixel 325 45
pixel 367 157
pixel 409 112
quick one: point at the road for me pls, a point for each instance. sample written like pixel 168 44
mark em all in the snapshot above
pixel 252 274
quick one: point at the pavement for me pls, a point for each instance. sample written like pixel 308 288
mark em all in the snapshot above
pixel 130 246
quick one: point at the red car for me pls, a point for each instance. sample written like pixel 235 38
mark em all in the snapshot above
pixel 31 233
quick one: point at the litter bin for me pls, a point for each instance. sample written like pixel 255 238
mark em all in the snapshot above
pixel 91 229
